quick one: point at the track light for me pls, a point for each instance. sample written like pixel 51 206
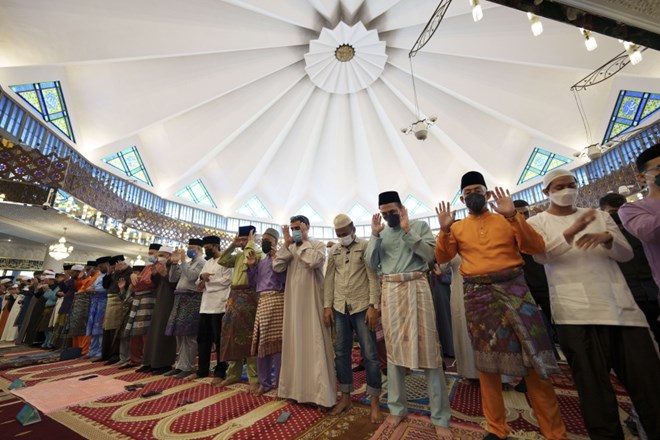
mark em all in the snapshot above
pixel 589 40
pixel 633 52
pixel 477 12
pixel 537 26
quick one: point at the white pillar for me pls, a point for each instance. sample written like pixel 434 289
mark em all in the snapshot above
pixel 52 263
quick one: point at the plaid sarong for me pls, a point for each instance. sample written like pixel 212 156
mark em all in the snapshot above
pixel 184 317
pixel 267 335
pixel 45 318
pixel 139 318
pixel 238 324
pixel 408 318
pixel 79 314
pixel 505 325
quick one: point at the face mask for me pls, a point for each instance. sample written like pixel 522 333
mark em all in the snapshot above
pixel 151 258
pixel 347 240
pixel 297 235
pixel 266 246
pixel 393 220
pixel 565 197
pixel 657 180
pixel 208 253
pixel 191 253
pixel 475 202
pixel 162 260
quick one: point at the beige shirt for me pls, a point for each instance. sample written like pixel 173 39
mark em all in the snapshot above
pixel 350 285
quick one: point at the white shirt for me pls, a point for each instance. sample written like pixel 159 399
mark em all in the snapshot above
pixel 216 290
pixel 586 286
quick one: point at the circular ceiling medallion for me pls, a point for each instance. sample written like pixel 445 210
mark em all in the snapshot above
pixel 344 53
pixel 345 59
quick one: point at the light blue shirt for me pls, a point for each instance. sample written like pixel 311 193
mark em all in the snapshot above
pixel 395 251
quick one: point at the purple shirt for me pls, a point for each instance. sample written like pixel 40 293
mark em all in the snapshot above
pixel 265 278
pixel 642 219
pixel 67 302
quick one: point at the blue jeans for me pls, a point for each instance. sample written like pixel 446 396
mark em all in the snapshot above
pixel 346 325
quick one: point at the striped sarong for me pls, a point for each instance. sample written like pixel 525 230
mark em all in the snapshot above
pixel 79 314
pixel 267 335
pixel 184 317
pixel 139 318
pixel 238 324
pixel 408 318
pixel 506 326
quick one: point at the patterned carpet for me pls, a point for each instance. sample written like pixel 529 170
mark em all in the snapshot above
pixel 197 410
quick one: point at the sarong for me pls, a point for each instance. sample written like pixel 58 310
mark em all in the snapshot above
pixel 238 324
pixel 56 312
pixel 45 318
pixel 96 315
pixel 61 338
pixel 139 318
pixel 505 325
pixel 113 312
pixel 267 335
pixel 184 317
pixel 79 314
pixel 408 318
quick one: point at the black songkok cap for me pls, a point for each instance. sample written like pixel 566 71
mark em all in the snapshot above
pixel 119 258
pixel 244 231
pixel 195 242
pixel 154 246
pixel 211 239
pixel 67 267
pixel 92 263
pixel 472 178
pixel 103 260
pixel 388 197
pixel 647 155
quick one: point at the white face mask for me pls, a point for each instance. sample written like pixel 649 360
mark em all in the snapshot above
pixel 347 240
pixel 162 260
pixel 565 197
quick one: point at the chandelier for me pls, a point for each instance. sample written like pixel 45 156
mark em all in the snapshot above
pixel 59 251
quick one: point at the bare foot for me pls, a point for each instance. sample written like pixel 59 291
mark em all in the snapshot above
pixel 227 382
pixel 394 421
pixel 216 381
pixel 443 433
pixel 341 406
pixel 191 377
pixel 260 391
pixel 254 387
pixel 376 416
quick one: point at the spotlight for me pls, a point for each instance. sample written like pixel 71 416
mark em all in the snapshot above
pixel 477 12
pixel 589 41
pixel 633 52
pixel 537 26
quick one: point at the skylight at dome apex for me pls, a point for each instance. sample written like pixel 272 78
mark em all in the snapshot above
pixel 255 103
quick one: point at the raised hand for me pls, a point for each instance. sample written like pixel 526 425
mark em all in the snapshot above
pixel 121 283
pixel 502 203
pixel 134 279
pixel 584 220
pixel 251 258
pixel 251 235
pixel 377 224
pixel 176 256
pixel 445 215
pixel 288 239
pixel 405 220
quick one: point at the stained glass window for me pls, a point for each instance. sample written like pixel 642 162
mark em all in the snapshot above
pixel 359 214
pixel 310 213
pixel 129 162
pixel 540 162
pixel 414 206
pixel 196 192
pixel 631 108
pixel 47 98
pixel 254 208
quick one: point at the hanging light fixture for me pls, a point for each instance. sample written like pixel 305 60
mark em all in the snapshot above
pixel 137 262
pixel 537 26
pixel 59 251
pixel 589 40
pixel 477 12
pixel 633 51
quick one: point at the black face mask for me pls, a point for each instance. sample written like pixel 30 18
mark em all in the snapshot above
pixel 208 253
pixel 657 180
pixel 266 246
pixel 475 202
pixel 393 220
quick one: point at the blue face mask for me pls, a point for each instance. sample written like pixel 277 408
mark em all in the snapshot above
pixel 152 258
pixel 191 253
pixel 296 234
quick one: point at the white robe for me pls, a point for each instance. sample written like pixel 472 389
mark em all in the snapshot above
pixel 10 331
pixel 307 373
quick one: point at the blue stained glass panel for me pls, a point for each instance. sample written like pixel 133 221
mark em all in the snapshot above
pixel 196 192
pixel 129 162
pixel 47 99
pixel 630 110
pixel 540 162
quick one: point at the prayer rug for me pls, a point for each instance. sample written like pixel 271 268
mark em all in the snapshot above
pixel 19 360
pixel 49 397
pixel 419 428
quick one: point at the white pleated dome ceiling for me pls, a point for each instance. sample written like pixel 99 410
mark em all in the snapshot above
pixel 280 107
